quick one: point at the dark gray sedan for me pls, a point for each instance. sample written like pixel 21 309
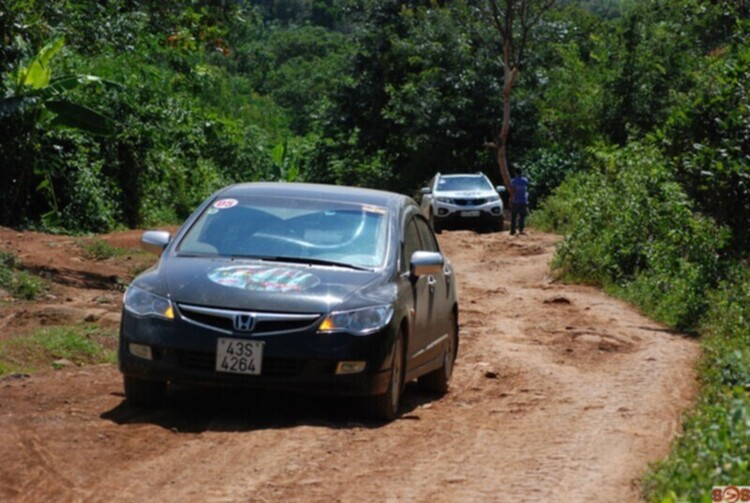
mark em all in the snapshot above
pixel 294 286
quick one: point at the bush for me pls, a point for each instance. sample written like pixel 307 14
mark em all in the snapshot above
pixel 715 448
pixel 631 228
pixel 18 283
pixel 546 169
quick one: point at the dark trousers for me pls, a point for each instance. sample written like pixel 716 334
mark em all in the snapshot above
pixel 517 210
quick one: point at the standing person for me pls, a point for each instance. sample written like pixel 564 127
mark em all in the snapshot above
pixel 518 185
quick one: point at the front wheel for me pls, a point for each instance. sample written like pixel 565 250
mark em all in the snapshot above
pixel 386 406
pixel 435 226
pixel 498 225
pixel 142 393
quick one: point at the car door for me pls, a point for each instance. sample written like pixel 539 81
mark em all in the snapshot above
pixel 439 303
pixel 419 291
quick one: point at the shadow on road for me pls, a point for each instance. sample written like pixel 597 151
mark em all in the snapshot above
pixel 227 409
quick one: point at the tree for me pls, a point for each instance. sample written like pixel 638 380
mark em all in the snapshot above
pixel 35 102
pixel 514 20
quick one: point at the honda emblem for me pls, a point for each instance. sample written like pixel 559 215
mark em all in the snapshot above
pixel 243 322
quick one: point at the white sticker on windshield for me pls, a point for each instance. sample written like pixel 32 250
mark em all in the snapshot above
pixel 223 204
pixel 264 278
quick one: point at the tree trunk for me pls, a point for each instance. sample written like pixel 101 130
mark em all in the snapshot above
pixel 502 140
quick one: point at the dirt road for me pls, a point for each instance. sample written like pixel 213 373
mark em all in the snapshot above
pixel 560 393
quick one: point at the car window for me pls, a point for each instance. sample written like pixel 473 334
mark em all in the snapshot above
pixel 411 243
pixel 473 182
pixel 259 227
pixel 427 237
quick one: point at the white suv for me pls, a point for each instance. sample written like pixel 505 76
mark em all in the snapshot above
pixel 463 200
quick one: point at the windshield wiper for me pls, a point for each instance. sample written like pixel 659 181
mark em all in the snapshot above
pixel 314 261
pixel 196 254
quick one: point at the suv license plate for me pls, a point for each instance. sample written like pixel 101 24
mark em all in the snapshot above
pixel 469 213
pixel 238 356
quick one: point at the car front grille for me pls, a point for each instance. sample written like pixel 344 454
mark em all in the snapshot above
pixel 222 320
pixel 470 201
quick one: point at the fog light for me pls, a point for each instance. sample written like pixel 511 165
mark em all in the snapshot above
pixel 350 367
pixel 141 351
pixel 442 211
pixel 495 210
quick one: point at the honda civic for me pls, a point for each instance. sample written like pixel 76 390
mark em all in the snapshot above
pixel 286 286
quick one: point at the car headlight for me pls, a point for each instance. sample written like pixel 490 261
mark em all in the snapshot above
pixel 142 303
pixel 493 198
pixel 359 321
pixel 447 200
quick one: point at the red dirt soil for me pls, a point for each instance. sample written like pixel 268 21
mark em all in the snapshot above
pixel 560 393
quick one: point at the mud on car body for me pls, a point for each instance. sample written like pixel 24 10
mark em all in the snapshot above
pixel 294 286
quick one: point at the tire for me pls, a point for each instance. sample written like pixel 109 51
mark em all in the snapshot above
pixel 435 226
pixel 142 393
pixel 438 381
pixel 385 407
pixel 499 225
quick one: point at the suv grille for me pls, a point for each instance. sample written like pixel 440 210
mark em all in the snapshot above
pixel 470 201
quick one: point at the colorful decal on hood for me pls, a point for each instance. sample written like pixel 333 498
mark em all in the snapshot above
pixel 264 278
pixel 223 204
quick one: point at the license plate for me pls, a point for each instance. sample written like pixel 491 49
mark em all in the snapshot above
pixel 238 356
pixel 469 213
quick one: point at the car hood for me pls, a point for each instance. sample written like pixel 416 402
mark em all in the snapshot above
pixel 260 286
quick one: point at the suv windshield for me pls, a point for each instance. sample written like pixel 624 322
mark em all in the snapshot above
pixel 302 230
pixel 463 183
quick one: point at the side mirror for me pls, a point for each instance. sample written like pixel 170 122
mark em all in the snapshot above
pixel 500 189
pixel 425 190
pixel 155 241
pixel 423 263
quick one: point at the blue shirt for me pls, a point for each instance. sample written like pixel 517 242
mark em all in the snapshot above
pixel 519 185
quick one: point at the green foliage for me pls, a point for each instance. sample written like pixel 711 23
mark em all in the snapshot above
pixel 634 230
pixel 715 447
pixel 547 168
pixel 708 135
pixel 572 103
pixel 18 283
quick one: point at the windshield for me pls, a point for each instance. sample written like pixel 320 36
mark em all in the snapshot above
pixel 463 183
pixel 302 230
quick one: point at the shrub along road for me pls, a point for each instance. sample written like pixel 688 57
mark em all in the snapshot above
pixel 559 393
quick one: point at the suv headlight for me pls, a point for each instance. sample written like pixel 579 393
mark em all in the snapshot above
pixel 359 321
pixel 493 198
pixel 142 303
pixel 446 200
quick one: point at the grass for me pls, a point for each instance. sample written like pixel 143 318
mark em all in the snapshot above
pixel 98 249
pixel 81 344
pixel 18 283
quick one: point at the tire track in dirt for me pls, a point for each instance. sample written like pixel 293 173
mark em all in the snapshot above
pixel 560 393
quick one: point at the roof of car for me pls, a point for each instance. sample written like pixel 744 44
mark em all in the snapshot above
pixel 455 175
pixel 318 191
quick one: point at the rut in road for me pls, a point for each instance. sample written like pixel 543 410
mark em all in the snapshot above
pixel 560 393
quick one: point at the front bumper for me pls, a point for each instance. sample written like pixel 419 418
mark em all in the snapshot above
pixel 451 215
pixel 183 353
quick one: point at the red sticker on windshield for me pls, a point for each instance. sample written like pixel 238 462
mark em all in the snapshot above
pixel 223 204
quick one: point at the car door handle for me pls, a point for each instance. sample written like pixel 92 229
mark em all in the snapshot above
pixel 431 282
